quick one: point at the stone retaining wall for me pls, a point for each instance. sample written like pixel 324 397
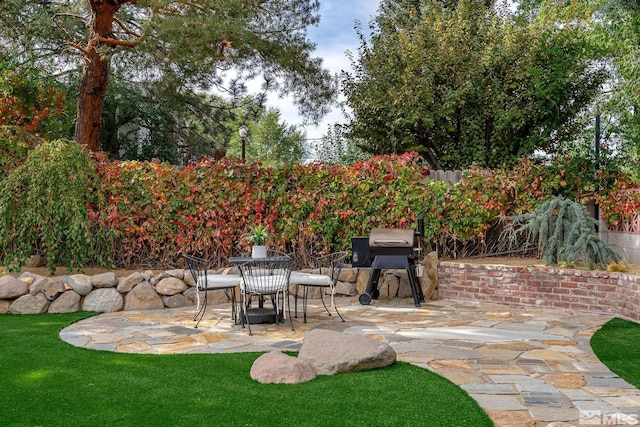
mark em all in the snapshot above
pixel 617 294
pixel 613 293
pixel 31 294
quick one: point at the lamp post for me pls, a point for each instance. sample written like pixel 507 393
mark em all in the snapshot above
pixel 243 131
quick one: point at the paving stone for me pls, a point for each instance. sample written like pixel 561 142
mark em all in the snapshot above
pixel 411 346
pixel 516 379
pixel 547 415
pixel 73 339
pixel 499 402
pixel 511 418
pixel 609 382
pixel 465 344
pixel 577 394
pixel 103 347
pixel 462 376
pixel 548 355
pixel 624 401
pixel 447 352
pixel 565 379
pixel 594 405
pixel 494 369
pixel 515 346
pixel 545 399
pixel 498 353
pixel 489 388
pixel 561 366
pixel 536 387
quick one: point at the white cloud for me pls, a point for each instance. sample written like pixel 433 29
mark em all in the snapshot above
pixel 334 36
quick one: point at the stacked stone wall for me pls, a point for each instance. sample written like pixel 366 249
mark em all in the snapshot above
pixel 617 294
pixel 106 292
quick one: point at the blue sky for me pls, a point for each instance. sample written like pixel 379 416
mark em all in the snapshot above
pixel 334 36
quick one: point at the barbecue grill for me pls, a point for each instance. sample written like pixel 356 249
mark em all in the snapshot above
pixel 392 248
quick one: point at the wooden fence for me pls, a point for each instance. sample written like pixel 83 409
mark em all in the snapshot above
pixel 452 177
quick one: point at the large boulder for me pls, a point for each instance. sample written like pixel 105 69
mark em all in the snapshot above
pixel 429 277
pixel 404 290
pixel 277 367
pixel 217 296
pixel 171 286
pixel 11 288
pixel 348 275
pixel 188 278
pixel 345 288
pixel 30 304
pixel 178 274
pixel 175 301
pixel 52 288
pixel 362 280
pixel 191 294
pixel 125 284
pixel 4 306
pixel 81 283
pixel 31 279
pixel 104 280
pixel 35 261
pixel 103 300
pixel 68 302
pixel 390 286
pixel 330 352
pixel 143 297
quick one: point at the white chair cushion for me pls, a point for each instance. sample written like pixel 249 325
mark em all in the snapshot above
pixel 267 271
pixel 219 281
pixel 311 279
pixel 265 284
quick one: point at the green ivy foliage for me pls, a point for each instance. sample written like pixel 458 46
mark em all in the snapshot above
pixel 77 211
pixel 43 208
pixel 15 144
pixel 155 212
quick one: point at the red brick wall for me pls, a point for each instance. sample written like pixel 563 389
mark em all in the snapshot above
pixel 590 291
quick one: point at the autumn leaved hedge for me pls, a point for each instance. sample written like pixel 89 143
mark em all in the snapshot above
pixel 76 209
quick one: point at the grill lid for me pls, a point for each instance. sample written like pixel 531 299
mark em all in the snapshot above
pixel 392 238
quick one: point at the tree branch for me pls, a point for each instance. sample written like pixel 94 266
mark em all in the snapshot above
pixel 68 15
pixel 84 51
pixel 125 28
pixel 109 41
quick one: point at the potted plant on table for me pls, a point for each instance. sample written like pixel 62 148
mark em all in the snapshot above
pixel 258 236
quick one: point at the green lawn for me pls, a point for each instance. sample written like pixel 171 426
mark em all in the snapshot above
pixel 46 382
pixel 617 345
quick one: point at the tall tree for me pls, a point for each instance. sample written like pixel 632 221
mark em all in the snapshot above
pixel 270 141
pixel 192 44
pixel 335 148
pixel 621 107
pixel 465 83
pixel 32 100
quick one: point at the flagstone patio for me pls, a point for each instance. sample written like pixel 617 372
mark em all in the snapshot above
pixel 524 366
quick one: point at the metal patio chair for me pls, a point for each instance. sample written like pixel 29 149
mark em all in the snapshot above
pixel 265 277
pixel 206 282
pixel 329 268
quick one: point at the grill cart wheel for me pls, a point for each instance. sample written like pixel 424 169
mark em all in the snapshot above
pixel 365 299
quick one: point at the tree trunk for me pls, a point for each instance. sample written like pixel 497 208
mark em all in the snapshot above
pixel 95 76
